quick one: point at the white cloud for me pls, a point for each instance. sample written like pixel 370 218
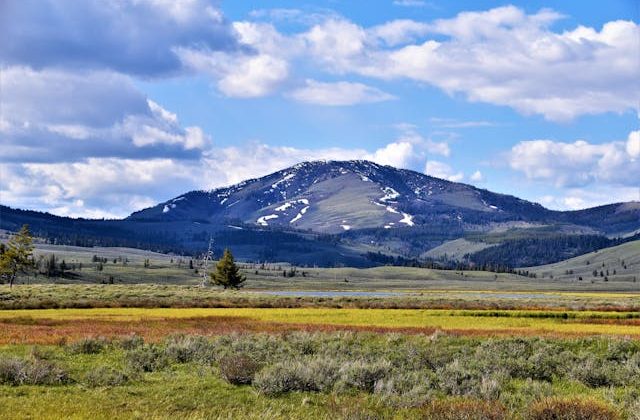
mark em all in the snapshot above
pixel 95 187
pixel 633 144
pixel 336 43
pixel 423 146
pixel 58 115
pixel 338 93
pixel 398 31
pixel 443 171
pixel 581 198
pixel 477 177
pixel 502 56
pixel 397 154
pixel 237 74
pixel 577 164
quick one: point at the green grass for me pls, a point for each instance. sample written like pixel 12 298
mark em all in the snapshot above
pixel 407 374
pixel 167 295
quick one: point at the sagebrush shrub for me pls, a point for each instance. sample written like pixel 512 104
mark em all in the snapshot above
pixel 238 369
pixel 184 349
pixel 104 376
pixel 131 342
pixel 595 372
pixel 15 371
pixel 313 375
pixel 90 345
pixel 148 358
pixel 363 375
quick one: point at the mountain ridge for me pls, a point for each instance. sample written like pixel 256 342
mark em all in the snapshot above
pixel 348 212
pixel 335 196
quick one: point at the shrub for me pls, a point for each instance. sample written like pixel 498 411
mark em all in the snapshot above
pixel 463 410
pixel 407 389
pixel 598 373
pixel 570 409
pixel 363 375
pixel 184 349
pixel 131 342
pixel 105 376
pixel 310 375
pixel 12 371
pixel 146 359
pixel 457 379
pixel 15 371
pixel 91 345
pixel 238 369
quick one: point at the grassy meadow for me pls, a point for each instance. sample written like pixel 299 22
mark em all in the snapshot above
pixel 322 375
pixel 138 338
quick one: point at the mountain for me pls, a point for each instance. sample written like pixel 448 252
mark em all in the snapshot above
pixel 336 196
pixel 350 212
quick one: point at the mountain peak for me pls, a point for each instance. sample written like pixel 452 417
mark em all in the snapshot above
pixel 331 196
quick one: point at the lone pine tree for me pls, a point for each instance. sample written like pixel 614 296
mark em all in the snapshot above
pixel 227 273
pixel 16 256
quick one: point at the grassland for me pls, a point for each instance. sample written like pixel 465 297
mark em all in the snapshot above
pixel 322 375
pixel 127 266
pixel 136 341
pixel 53 325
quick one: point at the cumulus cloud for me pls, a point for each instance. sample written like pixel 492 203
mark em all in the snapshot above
pixel 338 93
pixel 502 56
pixel 129 36
pixel 399 31
pixel 54 115
pixel 579 163
pixel 94 187
pixel 477 177
pixel 581 198
pixel 442 170
pixel 633 144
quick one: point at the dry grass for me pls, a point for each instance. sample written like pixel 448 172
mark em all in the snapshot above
pixel 570 409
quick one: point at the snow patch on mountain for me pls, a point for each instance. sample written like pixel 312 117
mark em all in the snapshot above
pixel 288 204
pixel 390 194
pixel 299 215
pixel 262 221
pixel 285 179
pixel 407 219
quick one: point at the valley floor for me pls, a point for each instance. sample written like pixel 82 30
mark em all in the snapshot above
pixel 167 351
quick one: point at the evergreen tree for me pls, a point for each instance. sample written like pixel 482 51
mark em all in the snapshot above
pixel 227 273
pixel 17 255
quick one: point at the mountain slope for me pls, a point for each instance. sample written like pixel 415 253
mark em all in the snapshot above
pixel 347 212
pixel 335 196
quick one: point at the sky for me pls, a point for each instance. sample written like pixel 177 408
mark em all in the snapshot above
pixel 108 107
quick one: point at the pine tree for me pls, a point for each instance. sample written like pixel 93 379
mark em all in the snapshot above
pixel 227 273
pixel 17 255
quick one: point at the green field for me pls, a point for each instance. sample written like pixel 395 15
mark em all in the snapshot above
pixel 126 266
pixel 138 338
pixel 322 375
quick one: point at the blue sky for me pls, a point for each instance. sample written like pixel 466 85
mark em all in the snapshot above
pixel 112 106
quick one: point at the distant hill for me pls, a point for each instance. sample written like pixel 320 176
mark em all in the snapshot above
pixel 347 212
pixel 619 263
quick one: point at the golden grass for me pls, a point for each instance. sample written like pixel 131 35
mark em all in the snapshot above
pixel 19 325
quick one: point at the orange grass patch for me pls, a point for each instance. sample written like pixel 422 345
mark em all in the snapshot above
pixel 25 330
